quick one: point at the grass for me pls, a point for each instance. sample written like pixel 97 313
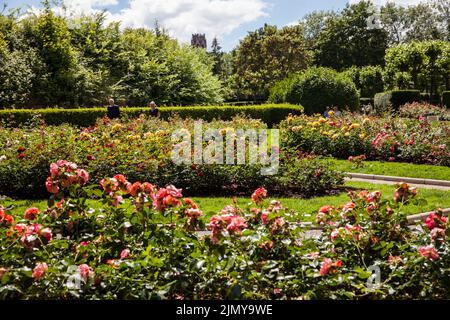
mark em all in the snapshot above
pixel 409 170
pixel 307 208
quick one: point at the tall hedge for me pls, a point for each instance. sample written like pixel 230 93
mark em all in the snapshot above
pixel 316 89
pixel 271 114
pixel 395 99
pixel 446 99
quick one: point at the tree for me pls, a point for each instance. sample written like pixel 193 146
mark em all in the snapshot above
pixel 442 8
pixel 52 60
pixel 424 21
pixel 347 40
pixel 419 65
pixel 265 56
pixel 313 24
pixel 217 55
pixel 394 19
pixel 422 24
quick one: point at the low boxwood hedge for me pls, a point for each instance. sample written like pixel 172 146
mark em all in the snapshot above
pixel 395 99
pixel 271 114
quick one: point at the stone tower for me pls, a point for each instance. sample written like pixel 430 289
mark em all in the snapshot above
pixel 199 41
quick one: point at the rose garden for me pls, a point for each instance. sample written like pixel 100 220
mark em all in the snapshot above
pixel 97 208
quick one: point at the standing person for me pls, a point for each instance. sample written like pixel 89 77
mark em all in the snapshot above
pixel 154 111
pixel 113 109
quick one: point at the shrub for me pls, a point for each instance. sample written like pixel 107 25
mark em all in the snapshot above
pixel 142 150
pixel 318 88
pixel 270 114
pixel 143 243
pixel 395 99
pixel 446 99
pixel 368 80
pixel 417 109
pixel 378 138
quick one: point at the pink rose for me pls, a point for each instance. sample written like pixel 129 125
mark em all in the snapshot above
pixel 85 271
pixel 39 271
pixel 124 254
pixel 429 252
pixel 51 186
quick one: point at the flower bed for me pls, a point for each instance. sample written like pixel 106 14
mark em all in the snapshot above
pixel 389 138
pixel 70 251
pixel 141 149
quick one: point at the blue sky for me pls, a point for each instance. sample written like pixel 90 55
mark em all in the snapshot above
pixel 229 20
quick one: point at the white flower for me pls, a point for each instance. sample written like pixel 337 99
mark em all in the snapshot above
pixel 2 158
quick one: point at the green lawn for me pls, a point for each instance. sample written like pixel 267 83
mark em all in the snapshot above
pixel 393 169
pixel 306 208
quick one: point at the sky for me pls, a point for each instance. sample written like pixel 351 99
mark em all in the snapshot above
pixel 228 20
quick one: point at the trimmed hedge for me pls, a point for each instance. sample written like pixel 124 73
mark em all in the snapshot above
pixel 271 114
pixel 395 99
pixel 316 89
pixel 446 99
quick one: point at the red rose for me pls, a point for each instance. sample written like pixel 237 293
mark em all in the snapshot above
pixel 31 213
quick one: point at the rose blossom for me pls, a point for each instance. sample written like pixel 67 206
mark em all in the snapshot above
pixel 85 271
pixel 31 213
pixel 437 233
pixel 39 271
pixel 51 186
pixel 194 213
pixel 259 195
pixel 435 220
pixel 328 266
pixel 124 254
pixel 429 252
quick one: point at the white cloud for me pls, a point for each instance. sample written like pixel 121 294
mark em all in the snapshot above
pixel 184 17
pixel 398 2
pixel 181 18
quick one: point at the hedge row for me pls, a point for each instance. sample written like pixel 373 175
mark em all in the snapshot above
pixel 446 99
pixel 271 114
pixel 395 99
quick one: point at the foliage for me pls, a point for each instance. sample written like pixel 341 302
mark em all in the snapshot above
pixel 368 80
pixel 421 22
pixel 266 56
pixel 419 65
pixel 271 114
pixel 378 138
pixel 82 61
pixel 446 99
pixel 70 251
pixel 346 41
pixel 317 88
pixel 416 110
pixel 142 149
pixel 394 99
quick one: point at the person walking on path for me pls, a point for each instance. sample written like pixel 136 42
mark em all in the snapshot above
pixel 113 109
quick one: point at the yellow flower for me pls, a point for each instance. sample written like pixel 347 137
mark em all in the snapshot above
pixel 355 126
pixel 323 120
pixel 347 134
pixel 117 127
pixel 331 113
pixel 335 136
pixel 366 120
pixel 362 135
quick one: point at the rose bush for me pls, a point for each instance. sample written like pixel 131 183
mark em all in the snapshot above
pixel 140 149
pixel 161 251
pixel 377 138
